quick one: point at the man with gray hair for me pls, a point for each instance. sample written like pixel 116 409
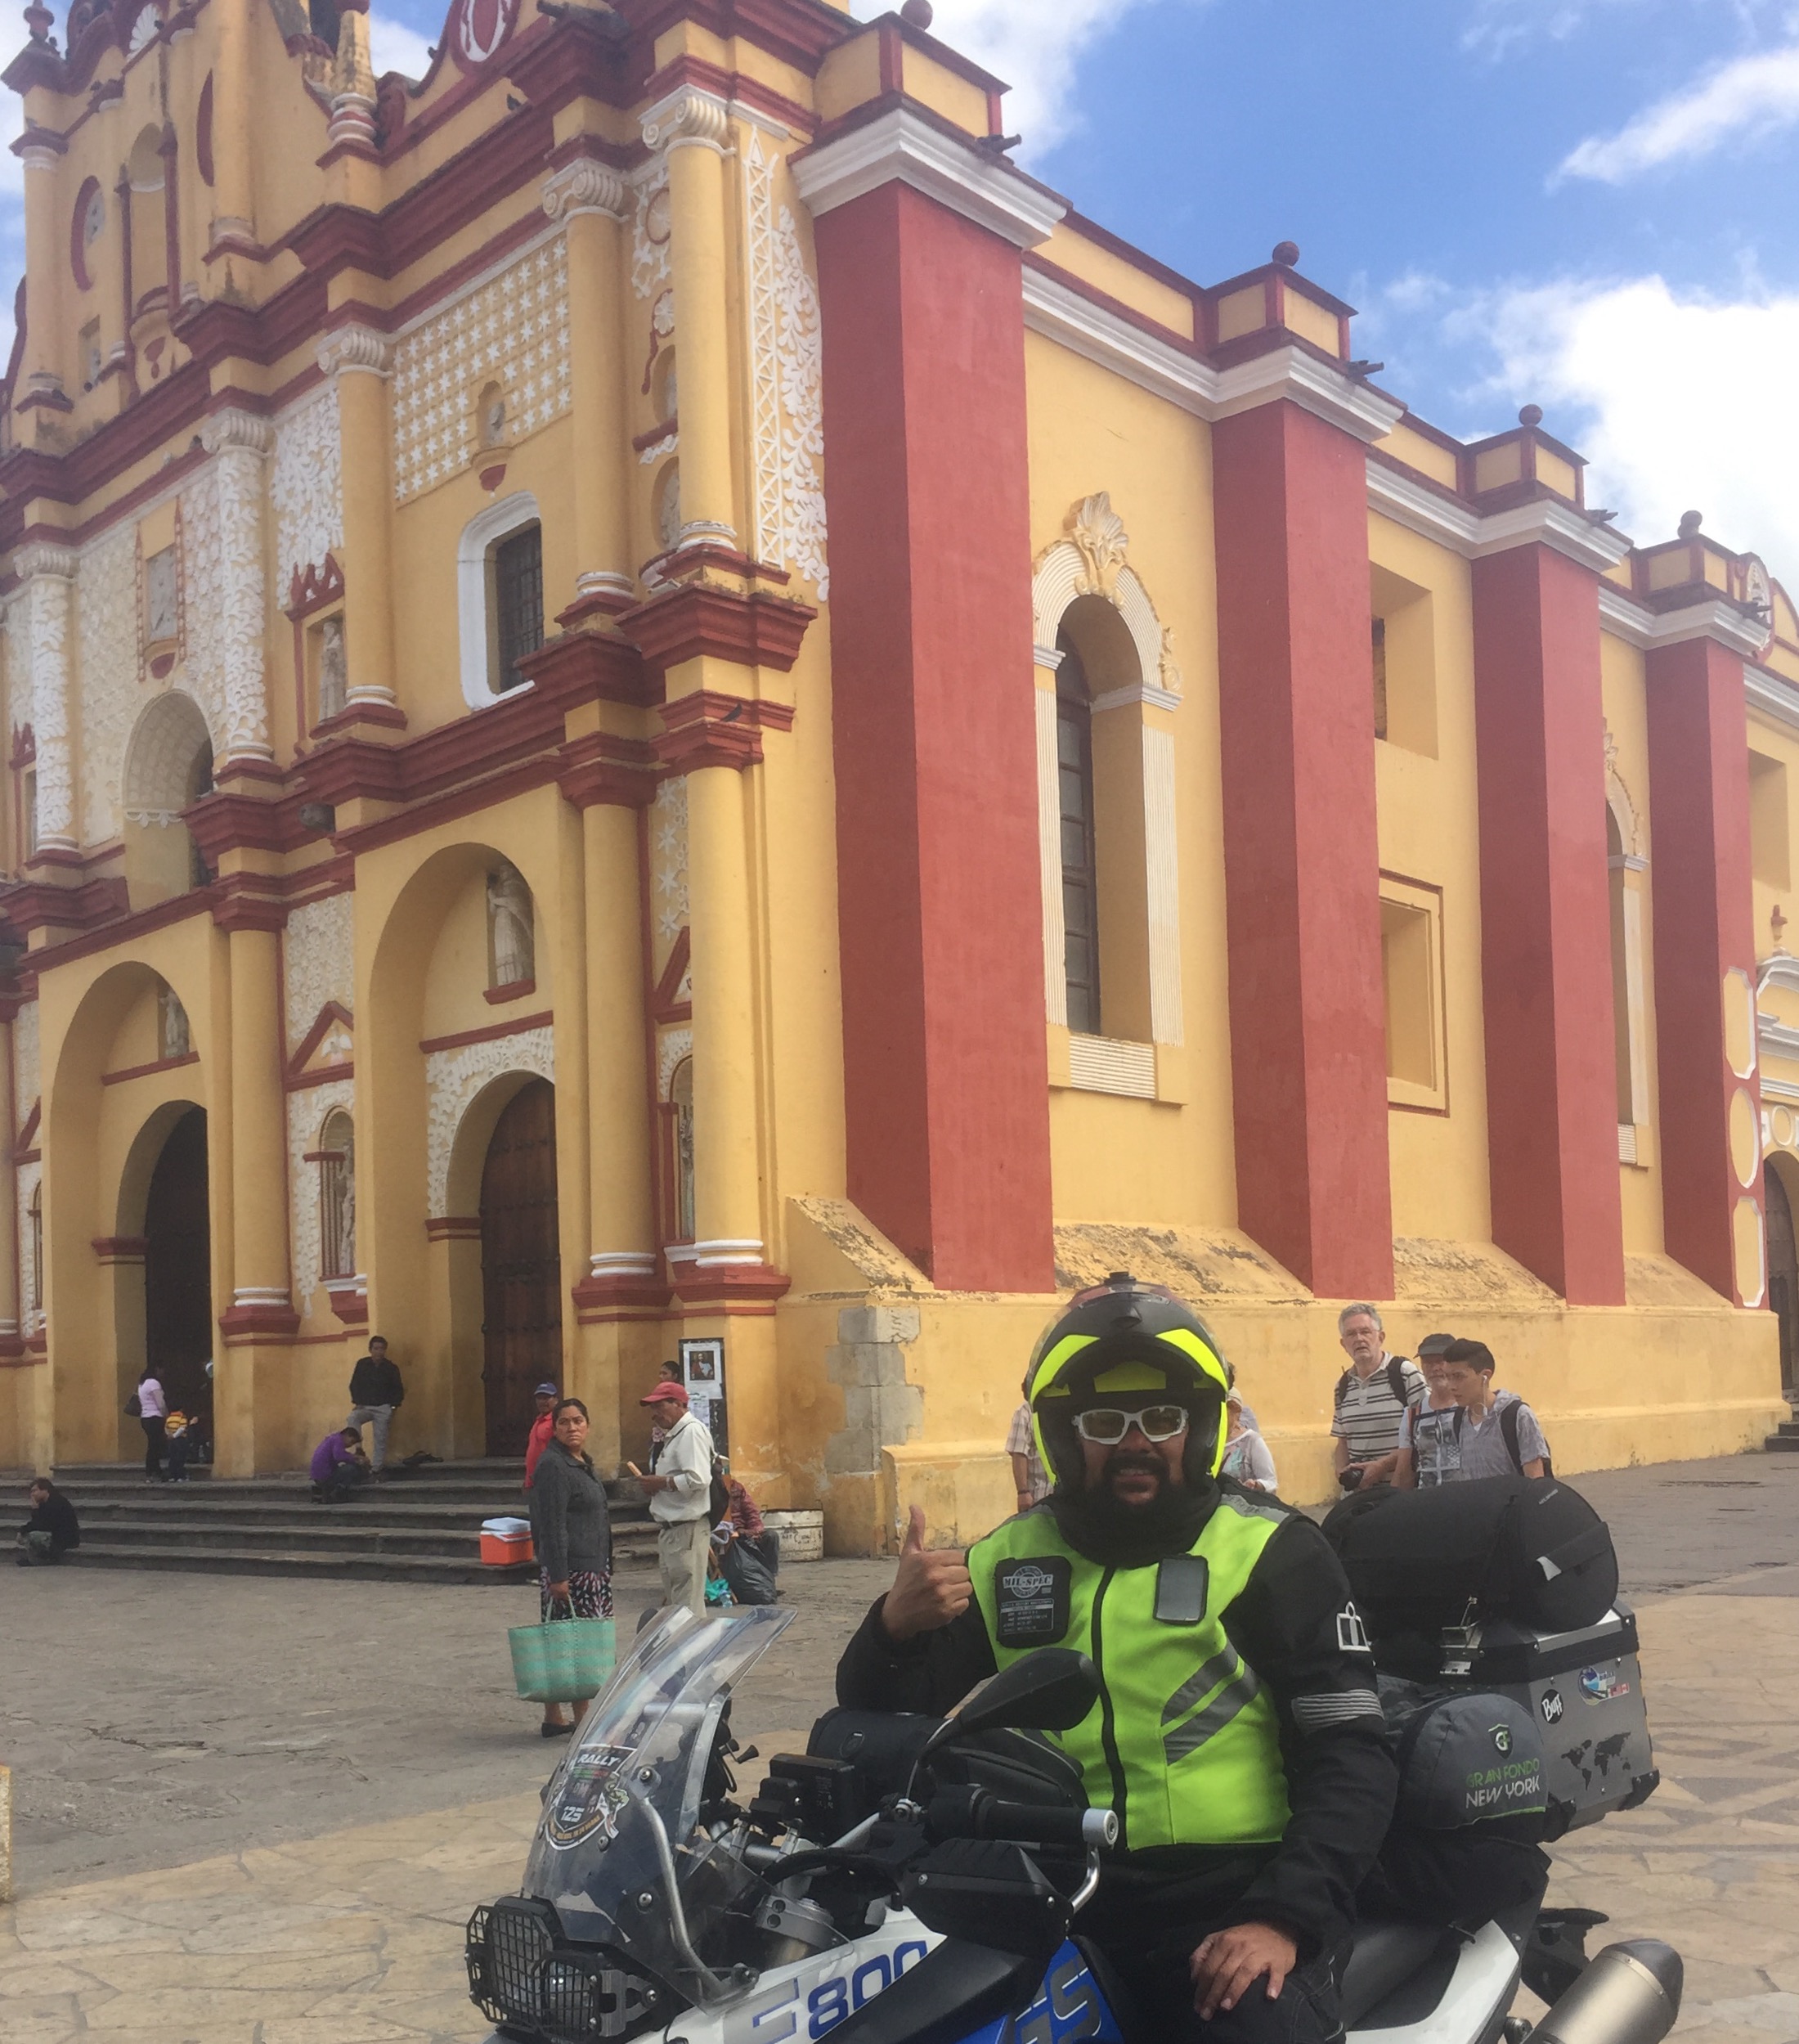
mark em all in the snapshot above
pixel 1372 1399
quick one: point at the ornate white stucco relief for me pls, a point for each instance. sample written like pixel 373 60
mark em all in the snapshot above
pixel 786 365
pixel 18 665
pixel 452 1078
pixel 306 484
pixel 106 626
pixel 513 329
pixel 318 961
pixel 48 572
pixel 26 1084
pixel 671 1046
pixel 204 679
pixel 238 443
pixel 650 270
pixel 306 1113
pixel 667 867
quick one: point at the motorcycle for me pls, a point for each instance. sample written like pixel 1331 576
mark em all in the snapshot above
pixel 912 1880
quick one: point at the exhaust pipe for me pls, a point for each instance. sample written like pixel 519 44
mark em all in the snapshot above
pixel 1630 1994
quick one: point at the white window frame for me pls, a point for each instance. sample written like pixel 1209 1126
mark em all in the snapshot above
pixel 474 586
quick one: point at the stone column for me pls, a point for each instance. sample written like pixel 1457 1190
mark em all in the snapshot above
pixel 1701 891
pixel 1545 917
pixel 234 127
pixel 693 128
pixel 44 368
pixel 592 199
pixel 48 572
pixel 261 1302
pixel 239 444
pixel 361 360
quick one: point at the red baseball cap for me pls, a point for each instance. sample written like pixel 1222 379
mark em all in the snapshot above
pixel 675 1393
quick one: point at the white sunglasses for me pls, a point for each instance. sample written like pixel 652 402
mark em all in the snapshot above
pixel 1106 1426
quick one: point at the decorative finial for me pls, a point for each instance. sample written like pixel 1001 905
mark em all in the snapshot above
pixel 1286 254
pixel 917 14
pixel 39 21
pixel 1531 415
pixel 1690 523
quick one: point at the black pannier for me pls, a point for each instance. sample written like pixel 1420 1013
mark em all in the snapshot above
pixel 1532 1551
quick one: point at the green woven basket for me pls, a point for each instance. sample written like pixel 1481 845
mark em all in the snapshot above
pixel 562 1659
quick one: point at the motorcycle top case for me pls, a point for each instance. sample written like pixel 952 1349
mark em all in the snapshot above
pixel 1584 1691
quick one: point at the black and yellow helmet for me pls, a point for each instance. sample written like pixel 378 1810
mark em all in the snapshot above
pixel 1127 1335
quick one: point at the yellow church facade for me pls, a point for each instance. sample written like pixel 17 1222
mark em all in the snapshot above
pixel 655 707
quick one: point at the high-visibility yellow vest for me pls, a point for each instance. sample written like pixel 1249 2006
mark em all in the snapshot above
pixel 1183 1744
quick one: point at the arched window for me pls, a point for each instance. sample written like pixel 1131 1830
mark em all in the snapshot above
pixel 1629 1023
pixel 500 596
pixel 1080 872
pixel 337 1195
pixel 680 1097
pixel 34 1251
pixel 169 768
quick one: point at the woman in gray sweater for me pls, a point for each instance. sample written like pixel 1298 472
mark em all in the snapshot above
pixel 572 1534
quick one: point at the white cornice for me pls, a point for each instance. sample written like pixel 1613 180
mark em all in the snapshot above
pixel 1060 314
pixel 1775 699
pixel 1409 501
pixel 1625 619
pixel 1315 386
pixel 899 144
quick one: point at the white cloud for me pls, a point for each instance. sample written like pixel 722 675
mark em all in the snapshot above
pixel 1032 45
pixel 1678 401
pixel 1750 95
pixel 393 47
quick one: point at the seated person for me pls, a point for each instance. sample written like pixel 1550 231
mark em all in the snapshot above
pixel 1238 1739
pixel 338 1465
pixel 743 1520
pixel 52 1529
pixel 1246 1456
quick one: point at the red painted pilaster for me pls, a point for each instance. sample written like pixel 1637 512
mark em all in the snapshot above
pixel 1545 923
pixel 946 1070
pixel 1705 965
pixel 1301 857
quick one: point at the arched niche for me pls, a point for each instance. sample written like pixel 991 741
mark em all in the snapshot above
pixel 169 768
pixel 1091 608
pixel 1627 871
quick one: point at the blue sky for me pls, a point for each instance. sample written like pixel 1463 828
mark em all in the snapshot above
pixel 1582 203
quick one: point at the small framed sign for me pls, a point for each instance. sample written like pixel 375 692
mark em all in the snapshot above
pixel 703 1371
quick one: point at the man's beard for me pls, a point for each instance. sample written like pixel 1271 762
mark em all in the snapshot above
pixel 1101 1525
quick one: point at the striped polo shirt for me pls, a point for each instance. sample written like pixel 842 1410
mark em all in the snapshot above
pixel 1368 1414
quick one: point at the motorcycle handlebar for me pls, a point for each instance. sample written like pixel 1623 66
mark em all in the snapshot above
pixel 980 1815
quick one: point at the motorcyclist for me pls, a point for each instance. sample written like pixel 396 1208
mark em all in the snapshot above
pixel 1238 1737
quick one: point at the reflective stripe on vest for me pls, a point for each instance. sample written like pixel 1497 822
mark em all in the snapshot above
pixel 1184 1744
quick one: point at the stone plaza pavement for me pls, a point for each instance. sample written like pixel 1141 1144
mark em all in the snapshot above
pixel 355 1758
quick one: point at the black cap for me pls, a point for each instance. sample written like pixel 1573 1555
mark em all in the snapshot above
pixel 1435 1344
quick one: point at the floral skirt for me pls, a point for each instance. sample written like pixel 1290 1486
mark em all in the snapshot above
pixel 590 1592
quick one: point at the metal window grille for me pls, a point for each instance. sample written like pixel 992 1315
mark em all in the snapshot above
pixel 1080 876
pixel 519 600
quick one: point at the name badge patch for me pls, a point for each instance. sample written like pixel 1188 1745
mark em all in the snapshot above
pixel 1031 1597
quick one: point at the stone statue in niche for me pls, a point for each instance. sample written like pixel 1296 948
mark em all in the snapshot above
pixel 333 669
pixel 175 1039
pixel 511 938
pixel 338 1188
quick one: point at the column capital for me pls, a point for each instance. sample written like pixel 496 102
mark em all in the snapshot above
pixel 236 912
pixel 752 628
pixel 901 147
pixel 235 428
pixel 43 557
pixel 586 186
pixel 687 117
pixel 710 729
pixel 356 348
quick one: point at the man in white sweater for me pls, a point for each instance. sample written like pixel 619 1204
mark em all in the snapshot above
pixel 680 1492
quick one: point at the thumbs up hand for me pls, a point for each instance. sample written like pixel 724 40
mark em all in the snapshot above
pixel 932 1586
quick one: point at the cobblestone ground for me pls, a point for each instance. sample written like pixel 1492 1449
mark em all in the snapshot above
pixel 258 1812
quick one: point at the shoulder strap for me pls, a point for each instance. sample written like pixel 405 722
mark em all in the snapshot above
pixel 1508 1425
pixel 1342 1391
pixel 1395 1378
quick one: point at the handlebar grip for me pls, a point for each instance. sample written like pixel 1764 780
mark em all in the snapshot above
pixel 1034 1824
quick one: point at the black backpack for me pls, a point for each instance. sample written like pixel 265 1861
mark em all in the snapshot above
pixel 1508 1426
pixel 1395 1382
pixel 1534 1552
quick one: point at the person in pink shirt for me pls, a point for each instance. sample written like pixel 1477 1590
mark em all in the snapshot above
pixel 543 1428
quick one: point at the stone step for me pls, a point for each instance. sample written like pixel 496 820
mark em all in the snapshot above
pixel 249 1560
pixel 332 1531
pixel 368 1508
pixel 1783 1442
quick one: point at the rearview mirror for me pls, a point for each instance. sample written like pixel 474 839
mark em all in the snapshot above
pixel 1049 1690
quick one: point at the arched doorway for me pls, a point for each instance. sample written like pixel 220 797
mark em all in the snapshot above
pixel 521 1264
pixel 1783 1269
pixel 177 1270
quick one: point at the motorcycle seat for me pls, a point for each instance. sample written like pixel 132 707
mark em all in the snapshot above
pixel 1381 1957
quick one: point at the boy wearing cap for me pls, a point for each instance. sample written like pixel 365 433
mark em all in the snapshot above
pixel 543 1428
pixel 680 1496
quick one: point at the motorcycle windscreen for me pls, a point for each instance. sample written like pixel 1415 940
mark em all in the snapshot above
pixel 620 1851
